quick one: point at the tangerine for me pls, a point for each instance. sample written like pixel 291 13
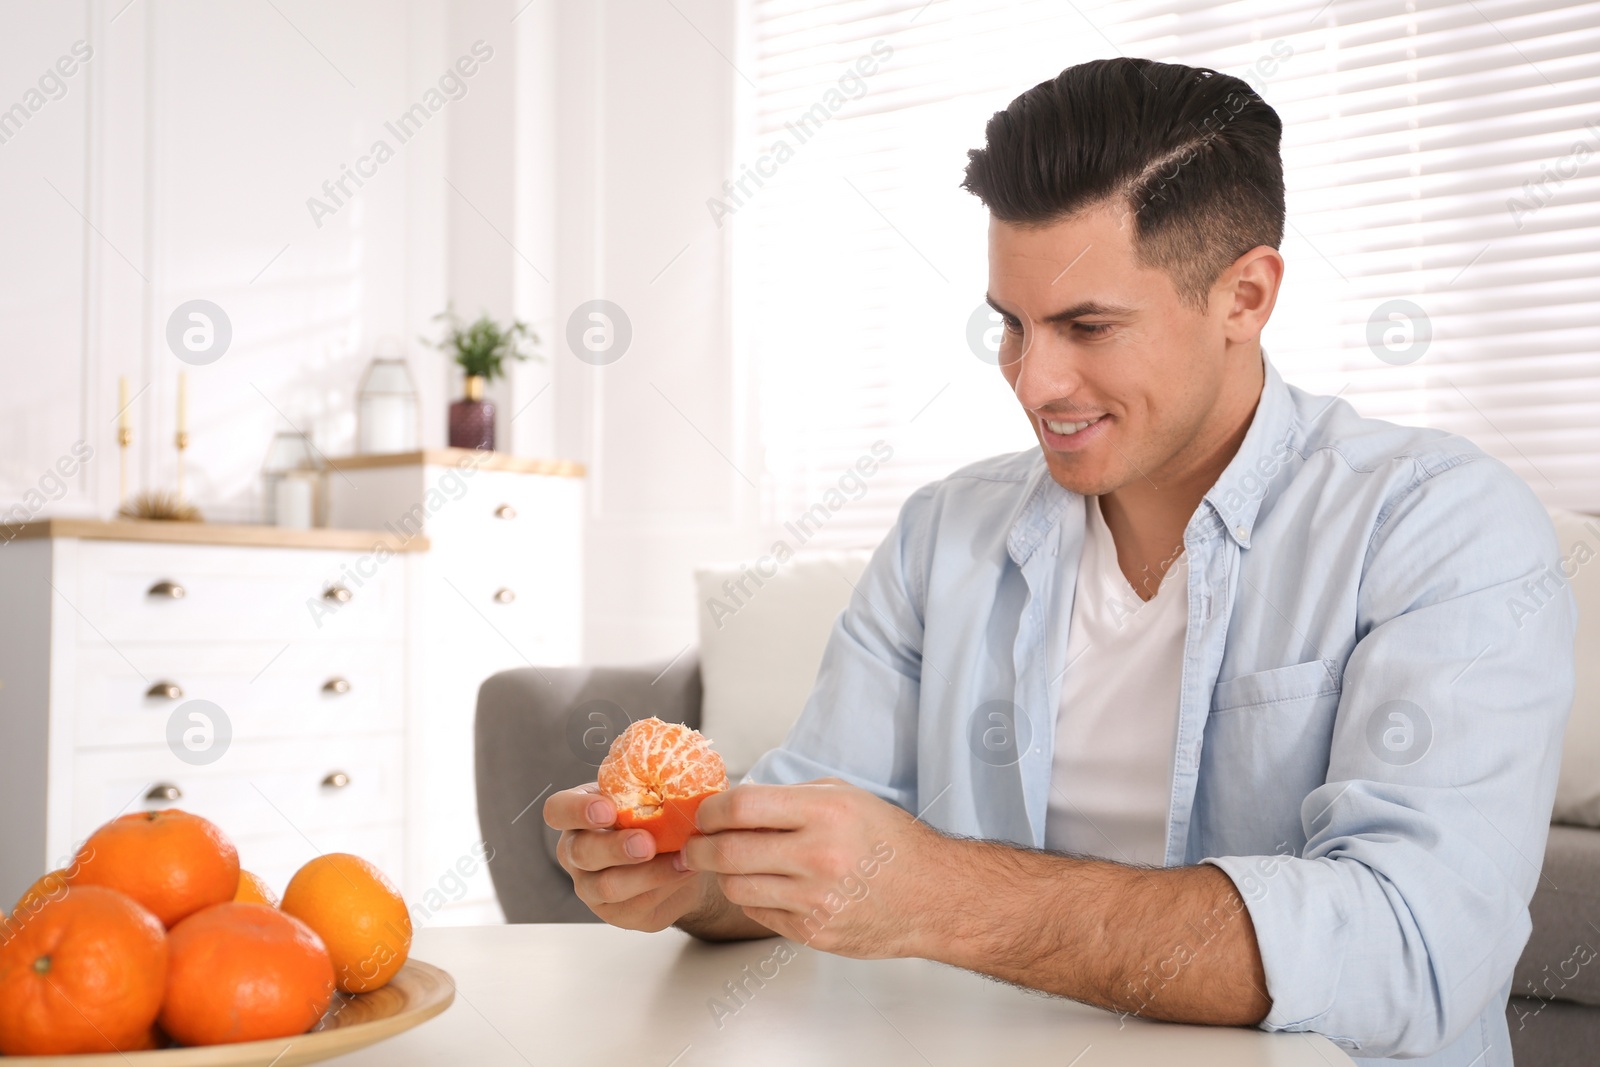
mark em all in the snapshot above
pixel 49 887
pixel 152 1038
pixel 85 973
pixel 657 774
pixel 359 915
pixel 173 862
pixel 253 889
pixel 244 972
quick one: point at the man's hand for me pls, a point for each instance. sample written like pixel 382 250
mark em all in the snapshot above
pixel 824 863
pixel 617 872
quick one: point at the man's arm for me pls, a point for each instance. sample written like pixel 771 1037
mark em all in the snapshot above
pixel 862 719
pixel 1173 943
pixel 1398 924
pixel 832 866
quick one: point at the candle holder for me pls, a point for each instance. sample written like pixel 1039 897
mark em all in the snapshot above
pixel 386 409
pixel 124 439
pixel 159 505
pixel 181 439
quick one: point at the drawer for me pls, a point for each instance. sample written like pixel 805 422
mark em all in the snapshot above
pixel 513 601
pixel 465 618
pixel 275 857
pixel 257 788
pixel 233 593
pixel 543 511
pixel 309 688
pixel 512 559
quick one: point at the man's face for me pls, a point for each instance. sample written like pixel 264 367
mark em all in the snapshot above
pixel 1093 337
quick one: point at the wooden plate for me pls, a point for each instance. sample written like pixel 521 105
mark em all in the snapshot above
pixel 416 994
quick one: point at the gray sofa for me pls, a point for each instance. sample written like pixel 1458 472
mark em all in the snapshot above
pixel 546 729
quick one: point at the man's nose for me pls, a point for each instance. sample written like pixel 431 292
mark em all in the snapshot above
pixel 1044 371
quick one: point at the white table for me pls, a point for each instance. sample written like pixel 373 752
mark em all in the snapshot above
pixel 592 994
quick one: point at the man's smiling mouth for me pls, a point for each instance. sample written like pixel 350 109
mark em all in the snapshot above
pixel 1069 428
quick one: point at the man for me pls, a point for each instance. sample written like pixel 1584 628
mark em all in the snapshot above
pixel 1213 709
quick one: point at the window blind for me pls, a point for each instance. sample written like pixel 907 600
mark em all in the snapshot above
pixel 1443 169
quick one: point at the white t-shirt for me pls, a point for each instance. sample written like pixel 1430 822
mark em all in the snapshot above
pixel 1117 723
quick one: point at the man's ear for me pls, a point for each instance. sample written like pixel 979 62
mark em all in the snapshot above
pixel 1248 290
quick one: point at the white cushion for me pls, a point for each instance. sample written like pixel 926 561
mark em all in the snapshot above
pixel 763 626
pixel 1578 791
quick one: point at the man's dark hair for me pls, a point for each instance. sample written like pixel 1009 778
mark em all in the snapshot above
pixel 1191 154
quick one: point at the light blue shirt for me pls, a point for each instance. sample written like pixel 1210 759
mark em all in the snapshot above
pixel 1376 678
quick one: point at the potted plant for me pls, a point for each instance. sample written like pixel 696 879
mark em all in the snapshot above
pixel 480 348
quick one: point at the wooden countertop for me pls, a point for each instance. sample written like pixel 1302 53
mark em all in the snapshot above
pixel 463 457
pixel 209 533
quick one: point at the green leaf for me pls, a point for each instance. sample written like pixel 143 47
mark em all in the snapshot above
pixel 482 346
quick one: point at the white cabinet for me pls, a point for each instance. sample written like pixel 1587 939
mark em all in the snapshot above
pixel 289 646
pixel 500 587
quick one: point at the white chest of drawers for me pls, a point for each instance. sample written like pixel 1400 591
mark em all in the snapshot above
pixel 500 587
pixel 289 646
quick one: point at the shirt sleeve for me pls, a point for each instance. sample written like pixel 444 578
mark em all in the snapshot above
pixel 1405 914
pixel 860 721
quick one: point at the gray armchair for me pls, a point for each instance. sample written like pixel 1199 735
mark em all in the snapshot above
pixel 543 729
pixel 1555 999
pixel 539 730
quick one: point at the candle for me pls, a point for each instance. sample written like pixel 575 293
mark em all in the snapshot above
pixel 183 403
pixel 292 502
pixel 122 404
pixel 388 424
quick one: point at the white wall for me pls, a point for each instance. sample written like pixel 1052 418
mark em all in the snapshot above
pixel 178 164
pixel 45 352
pixel 646 98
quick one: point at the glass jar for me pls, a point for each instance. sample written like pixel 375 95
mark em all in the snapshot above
pixel 291 482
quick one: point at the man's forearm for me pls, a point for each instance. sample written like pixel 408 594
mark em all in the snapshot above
pixel 1173 943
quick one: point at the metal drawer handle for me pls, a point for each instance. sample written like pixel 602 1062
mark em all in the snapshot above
pixel 337 593
pixel 505 511
pixel 336 780
pixel 164 791
pixel 165 691
pixel 504 596
pixel 167 588
pixel 337 686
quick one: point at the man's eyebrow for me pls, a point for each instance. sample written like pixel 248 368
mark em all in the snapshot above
pixel 1081 310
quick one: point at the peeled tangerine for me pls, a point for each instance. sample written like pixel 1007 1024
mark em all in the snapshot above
pixel 657 773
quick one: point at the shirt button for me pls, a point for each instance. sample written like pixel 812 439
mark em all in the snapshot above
pixel 1240 531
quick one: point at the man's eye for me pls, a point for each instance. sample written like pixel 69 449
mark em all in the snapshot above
pixel 1012 325
pixel 1092 329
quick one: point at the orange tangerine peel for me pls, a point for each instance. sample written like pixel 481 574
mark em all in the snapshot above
pixel 657 774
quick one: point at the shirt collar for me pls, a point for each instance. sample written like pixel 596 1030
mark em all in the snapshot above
pixel 1237 495
pixel 1235 498
pixel 1039 511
